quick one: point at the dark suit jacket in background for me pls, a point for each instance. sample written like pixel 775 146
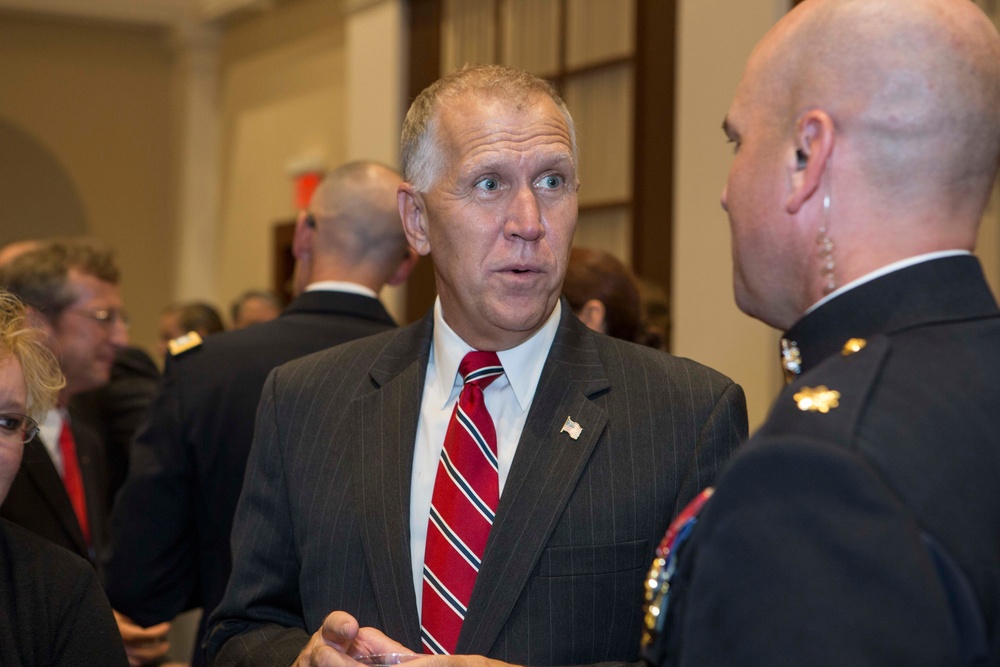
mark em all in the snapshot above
pixel 54 612
pixel 814 549
pixel 38 500
pixel 174 515
pixel 323 522
pixel 116 410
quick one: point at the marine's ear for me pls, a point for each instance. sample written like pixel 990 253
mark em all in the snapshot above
pixel 809 159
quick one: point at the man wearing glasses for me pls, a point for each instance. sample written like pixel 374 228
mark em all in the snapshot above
pixel 71 291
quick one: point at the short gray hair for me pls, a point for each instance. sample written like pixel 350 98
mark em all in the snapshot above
pixel 421 155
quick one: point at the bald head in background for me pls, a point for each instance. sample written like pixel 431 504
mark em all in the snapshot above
pixel 859 525
pixel 352 231
pixel 16 249
pixel 887 107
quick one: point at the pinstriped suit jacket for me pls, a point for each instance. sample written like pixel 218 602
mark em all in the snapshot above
pixel 323 520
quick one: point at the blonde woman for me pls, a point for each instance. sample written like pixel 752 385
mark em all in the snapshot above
pixel 55 611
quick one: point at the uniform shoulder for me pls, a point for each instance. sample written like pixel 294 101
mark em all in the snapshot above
pixel 192 340
pixel 829 400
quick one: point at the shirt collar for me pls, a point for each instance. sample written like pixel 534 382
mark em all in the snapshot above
pixel 341 286
pixel 522 365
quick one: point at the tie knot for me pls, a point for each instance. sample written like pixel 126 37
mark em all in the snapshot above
pixel 480 368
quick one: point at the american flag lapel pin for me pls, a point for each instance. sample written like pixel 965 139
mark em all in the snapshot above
pixel 572 428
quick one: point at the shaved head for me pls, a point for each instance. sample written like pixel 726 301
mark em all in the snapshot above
pixel 352 231
pixel 914 83
pixel 872 126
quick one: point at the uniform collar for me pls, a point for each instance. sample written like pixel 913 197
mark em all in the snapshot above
pixel 937 290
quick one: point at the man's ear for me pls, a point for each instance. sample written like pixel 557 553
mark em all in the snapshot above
pixel 305 230
pixel 592 314
pixel 405 267
pixel 809 158
pixel 414 216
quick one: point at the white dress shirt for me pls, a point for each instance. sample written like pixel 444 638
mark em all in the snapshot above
pixel 49 431
pixel 508 399
pixel 340 286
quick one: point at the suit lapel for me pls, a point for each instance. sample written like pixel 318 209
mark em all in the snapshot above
pixel 385 423
pixel 545 471
pixel 37 465
pixel 93 470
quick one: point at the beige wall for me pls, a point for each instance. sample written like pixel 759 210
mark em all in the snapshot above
pixel 98 98
pixel 716 36
pixel 282 85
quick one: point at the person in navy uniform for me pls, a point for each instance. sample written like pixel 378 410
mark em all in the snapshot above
pixel 861 524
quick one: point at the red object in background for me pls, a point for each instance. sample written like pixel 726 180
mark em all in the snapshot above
pixel 305 184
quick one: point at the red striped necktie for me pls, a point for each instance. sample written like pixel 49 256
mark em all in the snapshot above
pixel 466 492
pixel 72 479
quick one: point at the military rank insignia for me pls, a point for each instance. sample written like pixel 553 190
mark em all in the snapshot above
pixel 791 360
pixel 188 341
pixel 853 345
pixel 819 399
pixel 657 588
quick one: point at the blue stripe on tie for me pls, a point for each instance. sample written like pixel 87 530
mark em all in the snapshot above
pixel 432 644
pixel 473 430
pixel 443 592
pixel 483 372
pixel 466 488
pixel 454 540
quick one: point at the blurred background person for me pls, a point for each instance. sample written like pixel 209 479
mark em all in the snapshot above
pixel 254 306
pixel 71 290
pixel 113 410
pixel 604 294
pixel 174 515
pixel 179 319
pixel 55 611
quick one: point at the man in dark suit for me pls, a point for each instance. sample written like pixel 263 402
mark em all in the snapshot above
pixel 54 610
pixel 174 515
pixel 61 490
pixel 581 445
pixel 860 526
pixel 117 410
pixel 71 290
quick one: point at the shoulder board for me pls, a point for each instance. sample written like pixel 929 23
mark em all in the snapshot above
pixel 182 344
pixel 829 399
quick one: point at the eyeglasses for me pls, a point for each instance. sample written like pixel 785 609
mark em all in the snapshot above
pixel 17 428
pixel 106 317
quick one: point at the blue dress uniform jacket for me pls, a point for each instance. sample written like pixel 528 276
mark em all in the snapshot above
pixel 173 517
pixel 861 524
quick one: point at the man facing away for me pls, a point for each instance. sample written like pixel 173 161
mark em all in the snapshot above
pixel 860 525
pixel 488 480
pixel 173 518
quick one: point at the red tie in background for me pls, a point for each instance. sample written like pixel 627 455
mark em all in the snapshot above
pixel 72 479
pixel 466 492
